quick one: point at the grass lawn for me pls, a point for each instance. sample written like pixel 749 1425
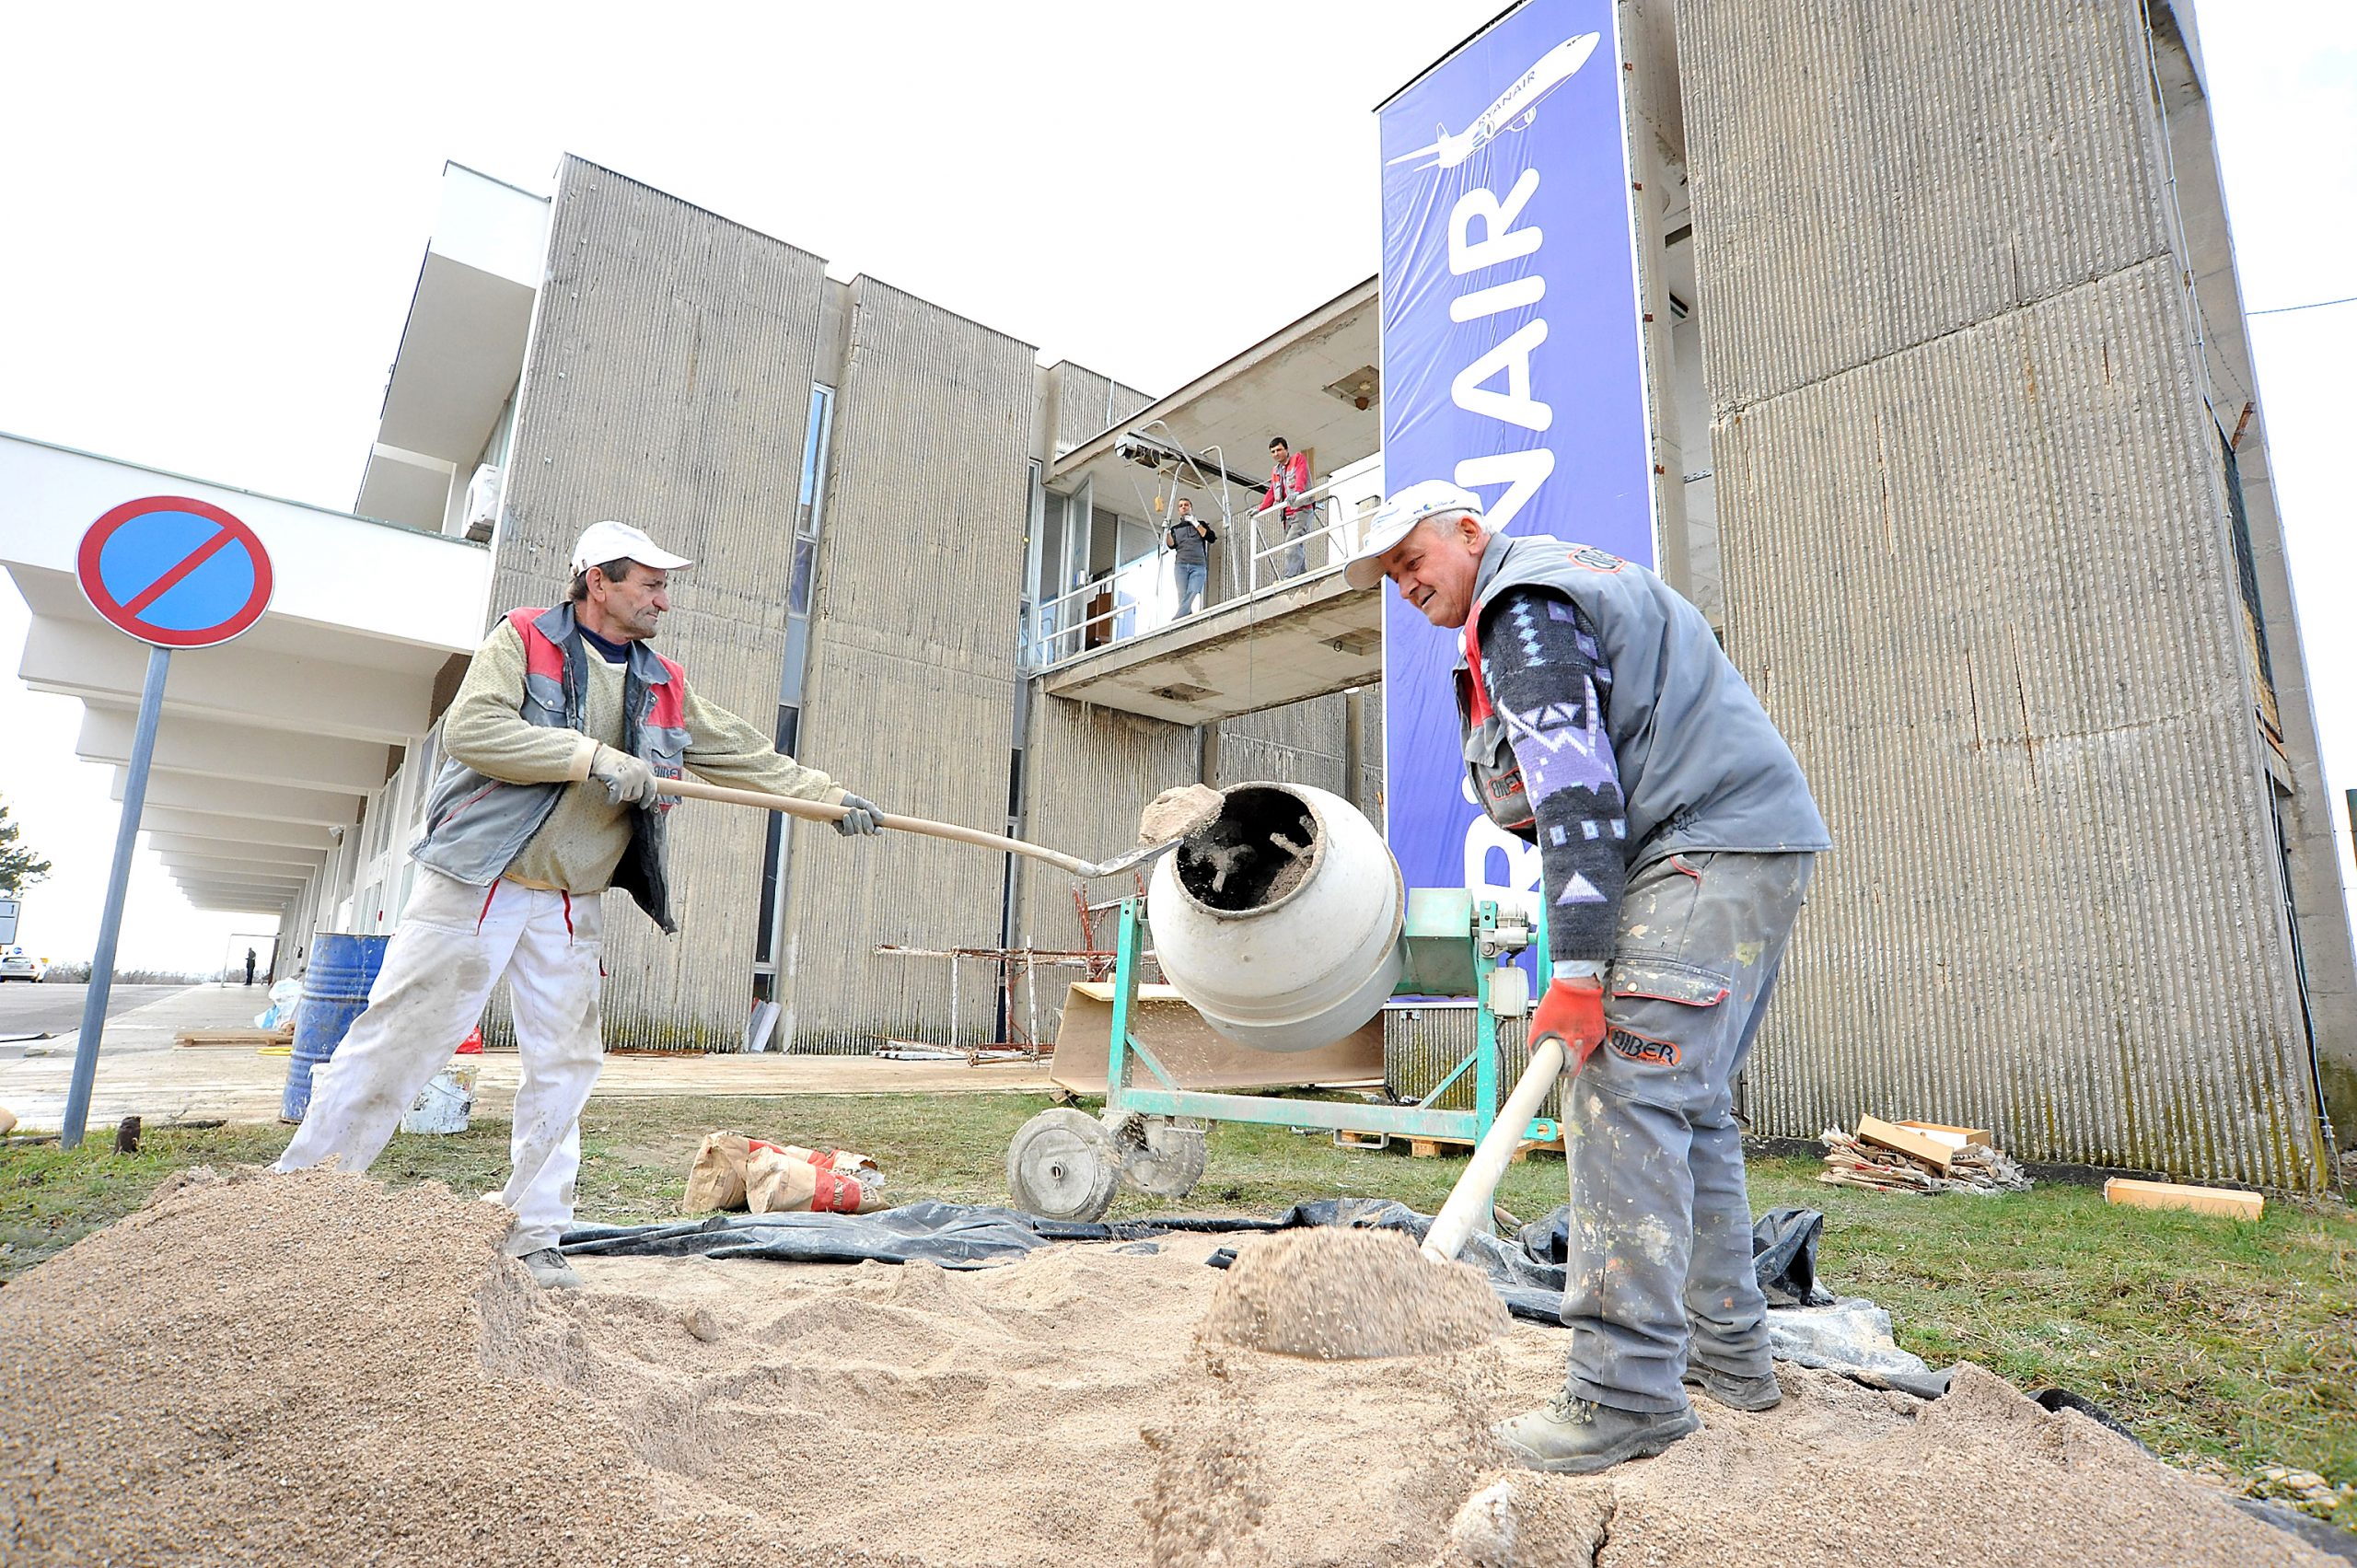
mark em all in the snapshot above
pixel 2212 1338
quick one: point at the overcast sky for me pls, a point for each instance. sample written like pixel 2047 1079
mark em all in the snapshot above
pixel 214 217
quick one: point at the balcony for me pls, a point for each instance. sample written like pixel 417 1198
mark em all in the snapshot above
pixel 1273 632
pixel 1282 636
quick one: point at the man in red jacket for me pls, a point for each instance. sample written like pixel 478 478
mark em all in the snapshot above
pixel 1288 483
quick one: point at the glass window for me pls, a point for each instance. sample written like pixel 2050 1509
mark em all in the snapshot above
pixel 805 557
pixel 815 441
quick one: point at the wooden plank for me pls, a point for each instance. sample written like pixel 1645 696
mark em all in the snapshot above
pixel 1954 1137
pixel 2176 1195
pixel 1428 1148
pixel 233 1037
pixel 1899 1140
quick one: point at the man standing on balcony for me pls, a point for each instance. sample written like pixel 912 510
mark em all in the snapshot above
pixel 1288 485
pixel 1675 835
pixel 1189 538
pixel 546 798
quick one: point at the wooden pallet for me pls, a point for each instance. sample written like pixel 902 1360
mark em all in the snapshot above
pixel 235 1037
pixel 1433 1148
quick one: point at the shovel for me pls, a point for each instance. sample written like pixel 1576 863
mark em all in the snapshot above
pixel 818 812
pixel 1468 1201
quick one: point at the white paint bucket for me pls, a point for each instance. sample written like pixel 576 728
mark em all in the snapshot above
pixel 444 1104
pixel 1277 953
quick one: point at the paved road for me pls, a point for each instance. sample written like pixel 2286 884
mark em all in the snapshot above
pixel 57 1007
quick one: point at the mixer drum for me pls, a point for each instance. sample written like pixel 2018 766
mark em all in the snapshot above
pixel 1280 921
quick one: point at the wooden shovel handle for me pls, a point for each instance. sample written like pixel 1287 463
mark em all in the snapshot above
pixel 820 811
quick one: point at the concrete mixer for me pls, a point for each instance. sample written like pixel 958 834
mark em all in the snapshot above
pixel 1283 920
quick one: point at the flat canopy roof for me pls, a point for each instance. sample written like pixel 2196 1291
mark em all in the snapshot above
pixel 1281 385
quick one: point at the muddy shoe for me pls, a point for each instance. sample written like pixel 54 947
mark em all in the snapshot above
pixel 550 1270
pixel 1754 1394
pixel 1573 1437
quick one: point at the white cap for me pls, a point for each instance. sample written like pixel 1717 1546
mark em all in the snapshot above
pixel 1427 498
pixel 601 542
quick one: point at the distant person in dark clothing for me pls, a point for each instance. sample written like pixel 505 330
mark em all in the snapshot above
pixel 1191 538
pixel 249 966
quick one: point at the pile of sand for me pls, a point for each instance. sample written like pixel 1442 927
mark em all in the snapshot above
pixel 309 1369
pixel 1175 813
pixel 1338 1294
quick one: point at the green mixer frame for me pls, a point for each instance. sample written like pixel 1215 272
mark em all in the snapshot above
pixel 1065 1165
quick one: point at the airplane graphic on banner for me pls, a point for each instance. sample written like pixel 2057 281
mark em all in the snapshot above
pixel 1515 108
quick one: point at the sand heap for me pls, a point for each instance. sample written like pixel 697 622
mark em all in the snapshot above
pixel 1178 812
pixel 309 1369
pixel 1339 1294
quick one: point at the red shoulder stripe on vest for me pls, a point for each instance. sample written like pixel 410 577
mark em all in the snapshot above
pixel 541 656
pixel 671 698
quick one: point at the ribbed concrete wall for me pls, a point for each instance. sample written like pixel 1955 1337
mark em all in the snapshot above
pixel 1977 568
pixel 1866 176
pixel 911 693
pixel 666 384
pixel 1092 770
pixel 1299 743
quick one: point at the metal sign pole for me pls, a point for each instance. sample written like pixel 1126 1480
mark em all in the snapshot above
pixel 126 838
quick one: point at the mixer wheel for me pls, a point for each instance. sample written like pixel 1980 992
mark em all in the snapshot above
pixel 1162 1155
pixel 1063 1164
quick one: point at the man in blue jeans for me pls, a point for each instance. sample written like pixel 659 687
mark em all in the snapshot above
pixel 1191 538
pixel 1676 834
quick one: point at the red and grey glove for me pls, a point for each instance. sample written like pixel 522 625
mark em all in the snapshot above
pixel 1572 1011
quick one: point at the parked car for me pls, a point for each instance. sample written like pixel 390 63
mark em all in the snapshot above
pixel 17 964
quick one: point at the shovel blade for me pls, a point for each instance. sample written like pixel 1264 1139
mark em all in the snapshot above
pixel 1135 858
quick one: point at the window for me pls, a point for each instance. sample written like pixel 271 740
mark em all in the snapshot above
pixel 809 515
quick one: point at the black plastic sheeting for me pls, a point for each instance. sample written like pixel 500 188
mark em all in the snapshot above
pixel 1526 1270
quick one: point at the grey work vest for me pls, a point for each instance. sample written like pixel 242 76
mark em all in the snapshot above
pixel 1701 766
pixel 475 824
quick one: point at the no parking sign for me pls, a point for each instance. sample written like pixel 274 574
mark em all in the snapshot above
pixel 175 572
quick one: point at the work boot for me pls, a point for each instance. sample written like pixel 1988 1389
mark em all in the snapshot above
pixel 550 1270
pixel 1754 1394
pixel 1575 1437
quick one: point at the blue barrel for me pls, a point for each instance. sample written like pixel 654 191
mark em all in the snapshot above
pixel 335 991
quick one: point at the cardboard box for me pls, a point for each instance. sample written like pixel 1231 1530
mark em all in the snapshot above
pixel 2176 1195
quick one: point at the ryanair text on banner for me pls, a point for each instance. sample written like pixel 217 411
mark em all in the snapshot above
pixel 1512 364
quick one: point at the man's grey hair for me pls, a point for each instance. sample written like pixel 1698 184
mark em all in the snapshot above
pixel 615 571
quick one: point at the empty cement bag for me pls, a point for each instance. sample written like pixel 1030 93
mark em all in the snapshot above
pixel 778 1183
pixel 716 1179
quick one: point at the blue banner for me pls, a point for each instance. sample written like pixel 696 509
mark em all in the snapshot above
pixel 1512 363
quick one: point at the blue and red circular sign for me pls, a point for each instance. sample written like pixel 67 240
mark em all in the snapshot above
pixel 173 571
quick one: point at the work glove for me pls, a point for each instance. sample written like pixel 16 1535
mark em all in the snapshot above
pixel 628 780
pixel 860 817
pixel 1572 1011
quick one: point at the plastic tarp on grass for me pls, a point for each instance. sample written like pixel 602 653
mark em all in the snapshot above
pixel 1805 1322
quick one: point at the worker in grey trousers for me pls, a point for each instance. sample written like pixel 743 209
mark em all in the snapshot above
pixel 1676 832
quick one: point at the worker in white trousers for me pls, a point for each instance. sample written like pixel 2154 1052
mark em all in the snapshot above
pixel 546 799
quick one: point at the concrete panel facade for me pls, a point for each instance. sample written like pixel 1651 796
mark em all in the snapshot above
pixel 910 695
pixel 667 384
pixel 1975 539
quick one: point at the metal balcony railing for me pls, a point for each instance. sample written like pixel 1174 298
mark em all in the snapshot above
pixel 1142 594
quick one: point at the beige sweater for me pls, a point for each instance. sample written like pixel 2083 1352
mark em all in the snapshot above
pixel 578 847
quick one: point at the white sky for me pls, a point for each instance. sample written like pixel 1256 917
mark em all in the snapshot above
pixel 214 217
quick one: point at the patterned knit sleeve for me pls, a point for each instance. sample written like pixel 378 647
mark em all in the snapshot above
pixel 1543 668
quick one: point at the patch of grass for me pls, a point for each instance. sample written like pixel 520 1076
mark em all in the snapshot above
pixel 2210 1338
pixel 50 1199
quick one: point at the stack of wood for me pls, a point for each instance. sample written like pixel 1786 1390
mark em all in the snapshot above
pixel 1918 1157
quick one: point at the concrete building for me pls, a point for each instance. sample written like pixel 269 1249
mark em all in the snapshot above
pixel 1959 445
